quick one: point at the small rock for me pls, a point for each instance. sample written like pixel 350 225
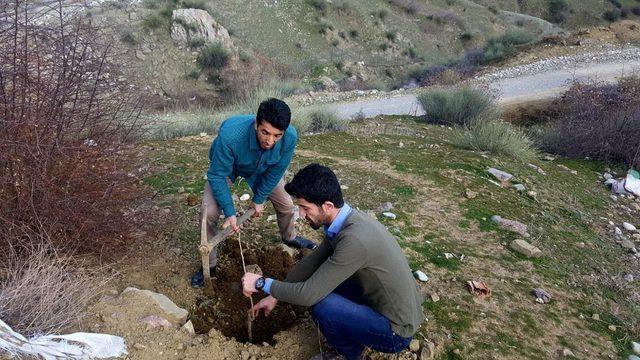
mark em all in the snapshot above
pixel 511 225
pixel 203 134
pixel 525 248
pixel 176 251
pixel 154 322
pixel 532 194
pixel 548 158
pixel 628 227
pixel 542 295
pixel 140 55
pixel 181 190
pixel 539 300
pixel 414 345
pixel 428 350
pixel 245 197
pixel 188 328
pixel 245 355
pixel 421 276
pixel 272 217
pixel 607 176
pixel 538 169
pixel 568 353
pixel 633 357
pixel 500 175
pixel 612 327
pixel 596 317
pixel 449 256
pixel 628 278
pixel 519 187
pixel 470 194
pixel 635 347
pixel 434 297
pixel 401 145
pixel 385 207
pixel 139 346
pixel 617 231
pixel 629 245
pixel 390 215
pixel 344 187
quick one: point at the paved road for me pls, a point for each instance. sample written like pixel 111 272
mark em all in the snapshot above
pixel 543 85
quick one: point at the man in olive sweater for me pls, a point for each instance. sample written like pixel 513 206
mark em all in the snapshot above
pixel 358 282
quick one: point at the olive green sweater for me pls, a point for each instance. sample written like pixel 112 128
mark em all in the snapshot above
pixel 366 252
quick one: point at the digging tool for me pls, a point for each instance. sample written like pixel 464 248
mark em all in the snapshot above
pixel 207 246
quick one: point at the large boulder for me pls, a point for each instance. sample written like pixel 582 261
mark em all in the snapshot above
pixel 190 24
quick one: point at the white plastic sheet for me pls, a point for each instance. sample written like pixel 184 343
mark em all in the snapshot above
pixel 77 346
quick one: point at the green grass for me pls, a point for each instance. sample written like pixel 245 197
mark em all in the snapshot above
pixel 497 137
pixel 426 184
pixel 456 107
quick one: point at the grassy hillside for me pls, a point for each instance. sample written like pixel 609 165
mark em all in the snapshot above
pixel 443 198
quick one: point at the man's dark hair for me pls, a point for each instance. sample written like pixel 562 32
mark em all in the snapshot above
pixel 275 112
pixel 316 184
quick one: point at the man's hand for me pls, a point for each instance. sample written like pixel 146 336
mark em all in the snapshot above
pixel 233 222
pixel 249 283
pixel 267 304
pixel 259 209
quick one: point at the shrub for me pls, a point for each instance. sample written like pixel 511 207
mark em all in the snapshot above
pixel 320 5
pixel 63 132
pixel 598 121
pixel 41 291
pixel 466 36
pixel 213 57
pixel 353 33
pixel 460 106
pixel 612 15
pixel 194 4
pixel 411 7
pixel 128 37
pixel 497 137
pixel 501 47
pixel 391 35
pixel 197 42
pixel 153 21
pixel 318 120
pixel 558 10
pixel 382 14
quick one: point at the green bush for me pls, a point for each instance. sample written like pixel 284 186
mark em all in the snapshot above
pixel 612 15
pixel 213 57
pixel 558 10
pixel 504 46
pixel 194 4
pixel 153 21
pixel 498 137
pixel 391 35
pixel 128 37
pixel 197 42
pixel 460 106
pixel 318 120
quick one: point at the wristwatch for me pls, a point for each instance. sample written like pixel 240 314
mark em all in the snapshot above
pixel 260 283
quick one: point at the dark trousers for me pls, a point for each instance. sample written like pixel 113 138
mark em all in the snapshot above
pixel 349 325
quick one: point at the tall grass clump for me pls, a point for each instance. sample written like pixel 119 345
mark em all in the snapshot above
pixel 456 107
pixel 317 120
pixel 213 57
pixel 506 45
pixel 599 121
pixel 498 137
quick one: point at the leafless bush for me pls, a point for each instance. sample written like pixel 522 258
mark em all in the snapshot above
pixel 64 120
pixel 42 291
pixel 599 121
pixel 410 6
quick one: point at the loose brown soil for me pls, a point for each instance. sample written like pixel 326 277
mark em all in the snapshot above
pixel 227 310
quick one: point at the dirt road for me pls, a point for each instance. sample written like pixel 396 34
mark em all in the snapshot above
pixel 511 89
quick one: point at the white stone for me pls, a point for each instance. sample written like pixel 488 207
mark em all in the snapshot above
pixel 390 215
pixel 635 347
pixel 245 197
pixel 449 256
pixel 421 276
pixel 271 218
pixel 188 328
pixel 618 231
pixel 628 227
pixel 500 175
pixel 170 311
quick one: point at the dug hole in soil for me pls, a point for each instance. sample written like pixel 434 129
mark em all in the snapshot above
pixel 227 310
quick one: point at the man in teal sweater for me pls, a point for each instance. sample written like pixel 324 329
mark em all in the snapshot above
pixel 357 282
pixel 259 149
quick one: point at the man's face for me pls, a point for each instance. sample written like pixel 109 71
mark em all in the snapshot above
pixel 312 213
pixel 268 134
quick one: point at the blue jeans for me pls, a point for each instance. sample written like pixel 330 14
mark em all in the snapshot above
pixel 349 325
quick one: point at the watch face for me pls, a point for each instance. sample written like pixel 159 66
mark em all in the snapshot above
pixel 260 283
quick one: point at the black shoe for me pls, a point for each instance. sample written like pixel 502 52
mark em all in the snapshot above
pixel 300 243
pixel 197 280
